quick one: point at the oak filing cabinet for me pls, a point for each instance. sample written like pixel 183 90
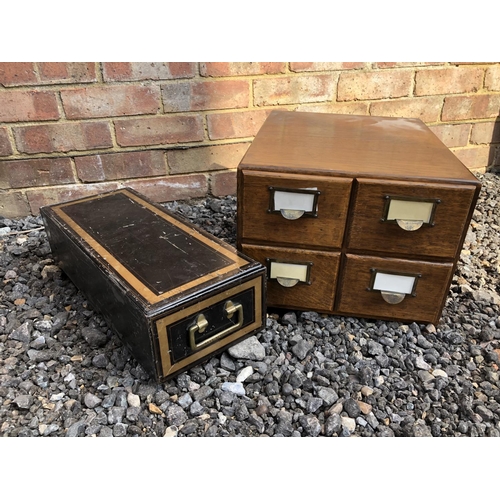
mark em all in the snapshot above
pixel 354 215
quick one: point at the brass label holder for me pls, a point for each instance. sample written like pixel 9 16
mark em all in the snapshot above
pixel 293 204
pixel 408 213
pixel 289 273
pixel 393 286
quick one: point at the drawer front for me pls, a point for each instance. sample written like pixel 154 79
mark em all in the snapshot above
pixel 197 331
pixel 393 288
pixel 301 279
pixel 408 218
pixel 293 209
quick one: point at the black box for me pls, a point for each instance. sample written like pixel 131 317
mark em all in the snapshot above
pixel 173 293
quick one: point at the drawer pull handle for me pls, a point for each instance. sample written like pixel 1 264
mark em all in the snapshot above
pixel 409 214
pixel 288 274
pixel 287 282
pixel 410 225
pixel 293 203
pixel 201 323
pixel 290 214
pixel 393 297
pixel 393 286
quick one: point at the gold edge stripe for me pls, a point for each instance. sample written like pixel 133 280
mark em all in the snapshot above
pixel 191 231
pixel 163 323
pixel 197 281
pixel 138 285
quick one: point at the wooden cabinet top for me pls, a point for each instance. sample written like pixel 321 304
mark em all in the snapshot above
pixel 353 146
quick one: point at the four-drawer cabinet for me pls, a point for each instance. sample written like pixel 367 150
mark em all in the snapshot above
pixel 354 215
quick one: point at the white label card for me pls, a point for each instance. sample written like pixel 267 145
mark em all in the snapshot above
pixel 394 283
pixel 288 200
pixel 410 210
pixel 286 270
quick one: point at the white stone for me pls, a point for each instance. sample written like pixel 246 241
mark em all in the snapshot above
pixel 348 423
pixel 440 373
pixel 133 400
pixel 171 431
pixel 420 363
pixel 234 387
pixel 244 374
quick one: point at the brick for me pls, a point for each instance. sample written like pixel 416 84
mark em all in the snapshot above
pixel 35 172
pixel 485 133
pixel 204 95
pixel 359 85
pixel 62 137
pixel 325 66
pixel 5 146
pixel 49 196
pixel 474 157
pixel 114 166
pixel 492 78
pixel 448 80
pixel 340 108
pixel 66 72
pixel 13 204
pixel 428 109
pixel 120 100
pixel 168 188
pixel 235 124
pixel 135 71
pixel 159 130
pixel 453 136
pixel 21 73
pixel 384 65
pixel 471 107
pixel 20 106
pixel 223 183
pixel 295 89
pixel 206 158
pixel 241 68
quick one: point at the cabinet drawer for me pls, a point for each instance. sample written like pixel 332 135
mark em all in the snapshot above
pixel 410 218
pixel 393 288
pixel 299 210
pixel 301 279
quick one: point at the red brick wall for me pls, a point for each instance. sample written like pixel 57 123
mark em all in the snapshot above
pixel 178 130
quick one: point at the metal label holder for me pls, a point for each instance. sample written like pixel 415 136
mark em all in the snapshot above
pixel 293 213
pixel 285 281
pixel 390 296
pixel 405 223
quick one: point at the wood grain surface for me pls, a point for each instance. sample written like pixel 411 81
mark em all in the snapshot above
pixel 432 288
pixel 367 231
pixel 318 296
pixel 325 230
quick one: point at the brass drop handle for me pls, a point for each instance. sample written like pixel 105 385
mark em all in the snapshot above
pixel 201 323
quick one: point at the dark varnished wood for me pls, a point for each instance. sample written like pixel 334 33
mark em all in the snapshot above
pixel 380 156
pixel 368 232
pixel 432 288
pixel 369 146
pixel 318 296
pixel 325 230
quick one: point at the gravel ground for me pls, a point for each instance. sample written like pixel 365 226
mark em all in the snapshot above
pixel 63 372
